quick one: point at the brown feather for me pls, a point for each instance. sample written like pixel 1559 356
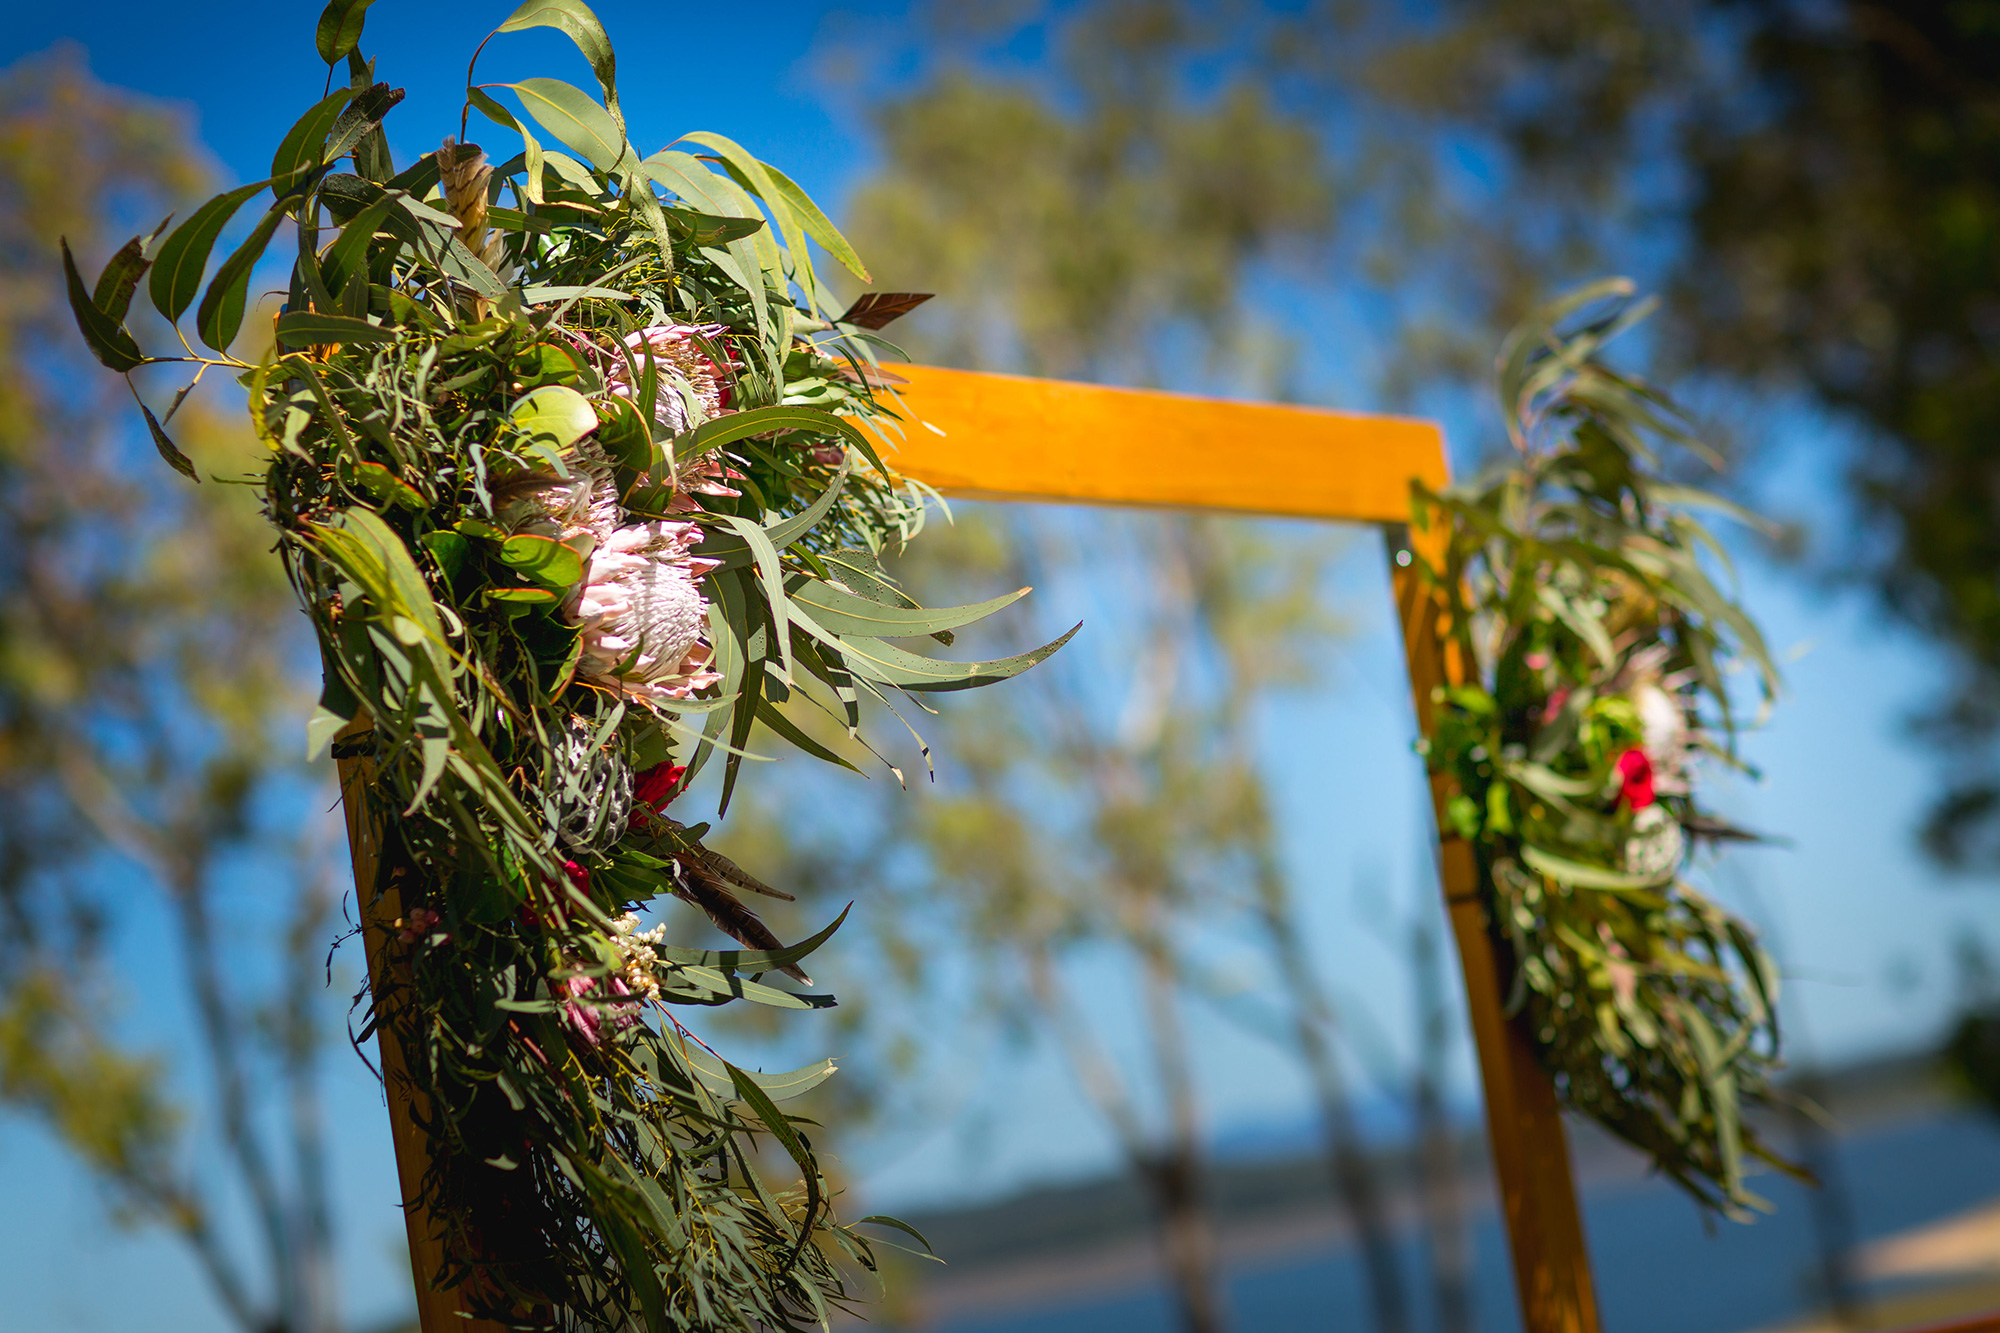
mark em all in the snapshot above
pixel 730 916
pixel 876 309
pixel 726 870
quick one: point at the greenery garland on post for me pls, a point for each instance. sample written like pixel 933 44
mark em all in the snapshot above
pixel 1597 647
pixel 566 466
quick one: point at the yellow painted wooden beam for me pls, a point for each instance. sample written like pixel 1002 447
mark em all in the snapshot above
pixel 1007 437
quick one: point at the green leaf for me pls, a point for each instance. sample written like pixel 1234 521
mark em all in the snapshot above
pixel 299 151
pixel 221 313
pixel 860 571
pixel 397 586
pixel 385 486
pixel 340 28
pixel 113 293
pixel 684 176
pixel 362 118
pixel 449 549
pixel 542 295
pixel 1582 876
pixel 320 731
pixel 764 421
pixel 543 559
pixel 177 271
pixel 106 337
pixel 892 666
pixel 714 1075
pixel 552 363
pixel 753 176
pixel 574 18
pixel 768 714
pixel 843 613
pixel 531 147
pixel 555 413
pixel 577 119
pixel 526 596
pixel 816 223
pixel 771 577
pixel 305 328
pixel 729 986
pixel 709 229
pixel 883 1220
pixel 176 460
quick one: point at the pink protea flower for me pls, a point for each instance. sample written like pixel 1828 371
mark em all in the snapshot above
pixel 683 371
pixel 588 1020
pixel 642 613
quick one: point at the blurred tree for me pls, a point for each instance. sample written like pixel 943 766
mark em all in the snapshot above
pixel 146 644
pixel 1099 222
pixel 1111 805
pixel 1094 222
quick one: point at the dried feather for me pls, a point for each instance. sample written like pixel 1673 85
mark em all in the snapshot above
pixel 730 916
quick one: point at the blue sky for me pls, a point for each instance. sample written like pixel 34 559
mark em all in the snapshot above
pixel 1864 928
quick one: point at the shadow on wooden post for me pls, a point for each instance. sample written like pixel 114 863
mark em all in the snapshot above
pixel 381 908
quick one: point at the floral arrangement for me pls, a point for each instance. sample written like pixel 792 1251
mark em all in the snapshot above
pixel 1595 647
pixel 567 462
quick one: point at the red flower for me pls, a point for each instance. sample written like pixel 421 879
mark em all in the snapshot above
pixel 655 790
pixel 1635 778
pixel 577 874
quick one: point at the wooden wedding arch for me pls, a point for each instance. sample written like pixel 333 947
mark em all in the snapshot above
pixel 1006 437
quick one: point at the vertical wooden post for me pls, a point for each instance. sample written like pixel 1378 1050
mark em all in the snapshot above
pixel 1523 1122
pixel 380 904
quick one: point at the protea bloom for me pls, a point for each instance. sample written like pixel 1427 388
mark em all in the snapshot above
pixel 686 376
pixel 589 1017
pixel 1663 724
pixel 581 508
pixel 642 613
pixel 1656 845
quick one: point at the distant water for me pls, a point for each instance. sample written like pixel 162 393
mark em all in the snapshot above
pixel 1657 1270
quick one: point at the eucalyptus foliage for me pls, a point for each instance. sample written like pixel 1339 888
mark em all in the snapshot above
pixel 493 393
pixel 1597 648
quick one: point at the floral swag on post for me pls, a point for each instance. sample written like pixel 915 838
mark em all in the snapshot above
pixel 1596 647
pixel 567 464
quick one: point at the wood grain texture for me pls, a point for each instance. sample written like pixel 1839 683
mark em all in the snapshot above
pixel 1007 437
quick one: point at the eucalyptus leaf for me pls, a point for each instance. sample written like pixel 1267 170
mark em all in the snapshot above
pixel 183 257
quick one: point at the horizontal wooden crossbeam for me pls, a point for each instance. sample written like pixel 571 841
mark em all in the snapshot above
pixel 1008 437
